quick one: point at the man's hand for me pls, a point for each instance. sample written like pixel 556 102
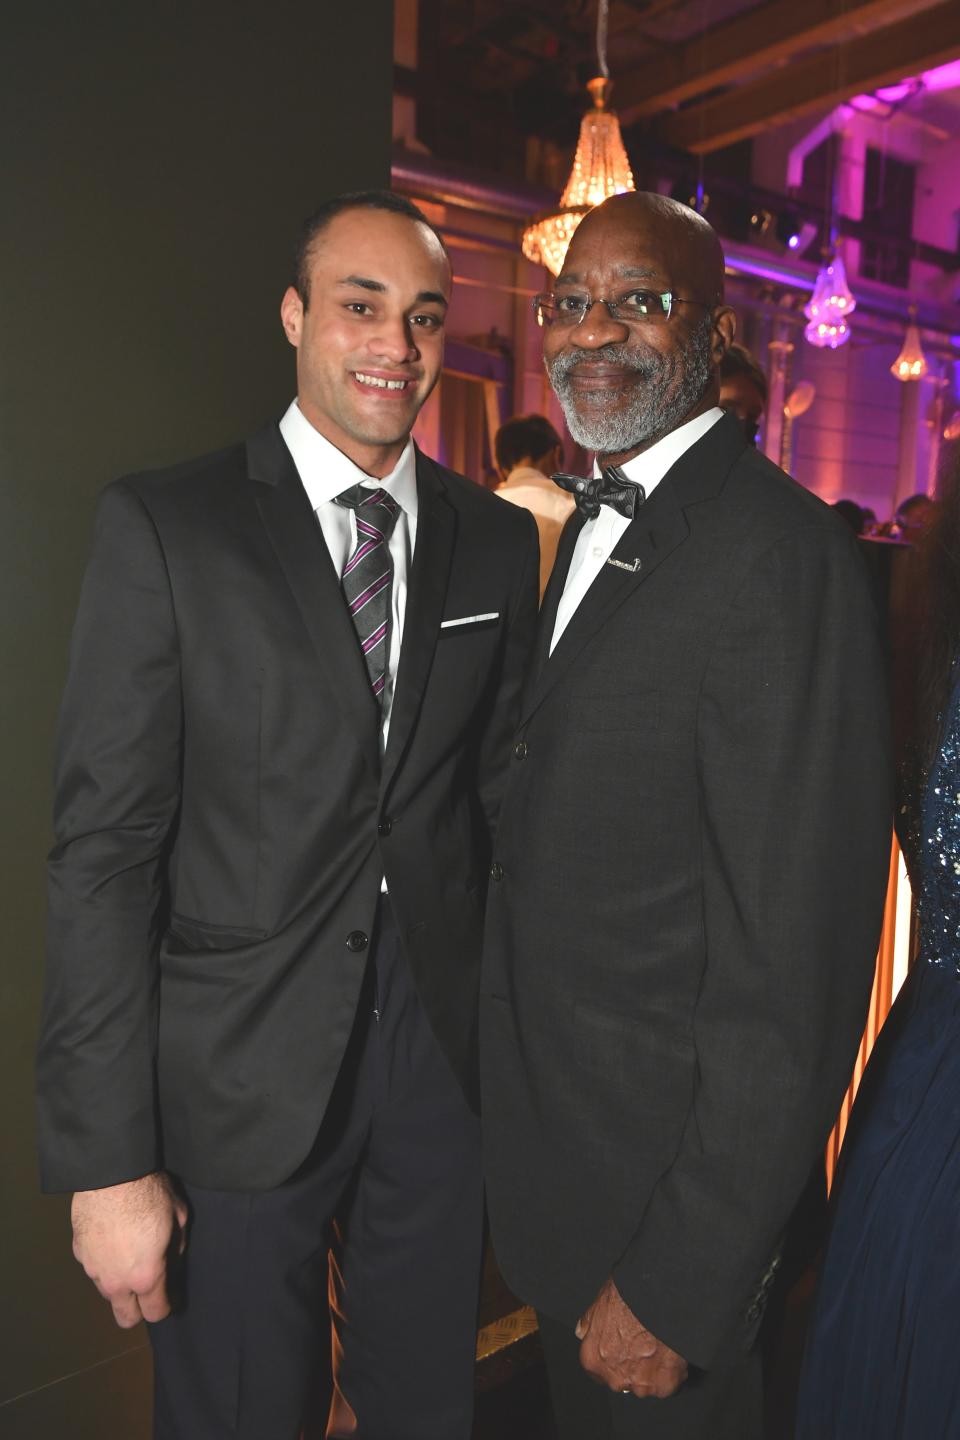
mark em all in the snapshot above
pixel 619 1352
pixel 122 1236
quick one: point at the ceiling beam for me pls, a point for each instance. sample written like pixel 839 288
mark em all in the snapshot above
pixel 769 34
pixel 819 82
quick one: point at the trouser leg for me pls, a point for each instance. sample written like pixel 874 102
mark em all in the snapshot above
pixel 397 1162
pixel 580 1407
pixel 246 1355
pixel 405 1270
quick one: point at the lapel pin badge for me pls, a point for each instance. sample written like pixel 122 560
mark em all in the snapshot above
pixel 632 565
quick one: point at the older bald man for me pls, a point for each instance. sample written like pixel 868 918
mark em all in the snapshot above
pixel 691 860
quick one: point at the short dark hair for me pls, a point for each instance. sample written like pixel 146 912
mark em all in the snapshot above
pixel 914 504
pixel 524 437
pixel 739 361
pixel 315 224
pixel 852 513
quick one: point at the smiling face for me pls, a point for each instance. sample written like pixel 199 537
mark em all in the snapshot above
pixel 623 384
pixel 370 339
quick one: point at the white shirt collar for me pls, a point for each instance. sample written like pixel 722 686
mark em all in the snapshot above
pixel 649 467
pixel 326 472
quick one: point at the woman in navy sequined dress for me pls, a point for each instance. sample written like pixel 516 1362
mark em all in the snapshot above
pixel 883 1359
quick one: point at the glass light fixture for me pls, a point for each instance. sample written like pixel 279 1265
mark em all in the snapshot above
pixel 829 305
pixel 600 169
pixel 911 363
pixel 827 334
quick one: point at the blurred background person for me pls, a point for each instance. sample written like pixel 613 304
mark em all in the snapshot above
pixel 743 389
pixel 528 451
pixel 851 514
pixel 881 1357
pixel 913 518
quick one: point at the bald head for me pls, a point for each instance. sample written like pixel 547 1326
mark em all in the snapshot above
pixel 664 229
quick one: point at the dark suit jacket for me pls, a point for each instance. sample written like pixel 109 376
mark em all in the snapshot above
pixel 223 817
pixel 689 877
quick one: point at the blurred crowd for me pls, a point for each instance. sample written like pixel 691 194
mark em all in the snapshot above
pixel 908 524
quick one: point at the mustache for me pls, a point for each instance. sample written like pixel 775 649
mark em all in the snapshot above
pixel 623 356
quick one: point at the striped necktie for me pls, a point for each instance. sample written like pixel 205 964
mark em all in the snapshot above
pixel 367 579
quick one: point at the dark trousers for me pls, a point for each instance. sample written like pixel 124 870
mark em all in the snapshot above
pixel 721 1404
pixel 392 1191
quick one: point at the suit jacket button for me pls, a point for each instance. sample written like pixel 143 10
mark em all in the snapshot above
pixel 496 871
pixel 385 826
pixel 357 941
pixel 520 749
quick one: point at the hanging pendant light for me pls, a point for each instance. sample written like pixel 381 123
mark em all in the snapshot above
pixel 600 169
pixel 911 363
pixel 827 334
pixel 832 302
pixel 829 306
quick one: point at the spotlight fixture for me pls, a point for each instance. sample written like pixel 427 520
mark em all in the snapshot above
pixel 798 241
pixel 789 229
pixel 777 228
pixel 696 199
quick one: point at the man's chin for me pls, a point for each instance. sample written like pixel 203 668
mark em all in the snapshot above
pixel 601 432
pixel 387 433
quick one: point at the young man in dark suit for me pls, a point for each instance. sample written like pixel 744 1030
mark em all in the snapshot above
pixel 690 866
pixel 295 669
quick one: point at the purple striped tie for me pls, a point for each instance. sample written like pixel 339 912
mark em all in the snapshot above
pixel 367 579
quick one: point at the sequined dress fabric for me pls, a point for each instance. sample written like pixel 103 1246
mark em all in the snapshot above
pixel 882 1358
pixel 939 853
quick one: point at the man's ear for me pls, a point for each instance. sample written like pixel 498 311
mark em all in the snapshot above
pixel 723 333
pixel 291 315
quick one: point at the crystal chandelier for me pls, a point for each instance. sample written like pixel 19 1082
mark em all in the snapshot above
pixel 911 363
pixel 600 169
pixel 829 305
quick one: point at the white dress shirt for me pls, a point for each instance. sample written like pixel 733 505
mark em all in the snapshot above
pixel 326 472
pixel 597 539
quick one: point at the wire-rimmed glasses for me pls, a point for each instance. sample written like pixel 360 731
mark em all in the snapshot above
pixel 646 306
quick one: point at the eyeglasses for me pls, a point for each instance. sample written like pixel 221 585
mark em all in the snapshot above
pixel 636 305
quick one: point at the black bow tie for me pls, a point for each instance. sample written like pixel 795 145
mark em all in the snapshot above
pixel 611 488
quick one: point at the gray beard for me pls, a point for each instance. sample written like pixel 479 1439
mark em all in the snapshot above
pixel 673 386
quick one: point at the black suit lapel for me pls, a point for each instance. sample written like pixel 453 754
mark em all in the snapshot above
pixel 645 544
pixel 658 529
pixel 551 601
pixel 299 545
pixel 426 597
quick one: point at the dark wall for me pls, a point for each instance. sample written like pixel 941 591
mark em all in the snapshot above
pixel 155 160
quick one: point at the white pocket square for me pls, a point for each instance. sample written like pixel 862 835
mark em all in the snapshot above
pixel 469 620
